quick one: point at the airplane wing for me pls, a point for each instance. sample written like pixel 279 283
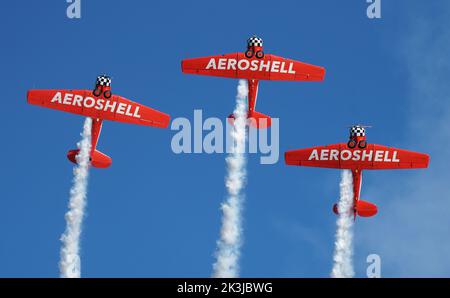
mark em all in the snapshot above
pixel 374 157
pixel 236 65
pixel 82 102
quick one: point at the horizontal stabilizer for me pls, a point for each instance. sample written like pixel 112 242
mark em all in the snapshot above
pixel 366 209
pixel 363 209
pixel 259 120
pixel 98 159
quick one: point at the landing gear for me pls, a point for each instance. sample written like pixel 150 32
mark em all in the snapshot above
pixel 97 92
pixel 107 94
pixel 259 54
pixel 362 144
pixel 351 144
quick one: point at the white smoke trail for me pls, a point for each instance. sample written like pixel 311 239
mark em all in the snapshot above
pixel 69 264
pixel 343 250
pixel 228 247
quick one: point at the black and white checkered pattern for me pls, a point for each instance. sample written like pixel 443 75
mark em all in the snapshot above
pixel 103 80
pixel 357 131
pixel 254 41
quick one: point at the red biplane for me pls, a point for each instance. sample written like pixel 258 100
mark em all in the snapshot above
pixel 357 155
pixel 99 104
pixel 253 65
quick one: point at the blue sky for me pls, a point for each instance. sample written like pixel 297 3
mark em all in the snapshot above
pixel 156 214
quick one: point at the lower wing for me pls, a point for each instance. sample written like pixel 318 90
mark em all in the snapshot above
pixel 236 65
pixel 83 102
pixel 374 157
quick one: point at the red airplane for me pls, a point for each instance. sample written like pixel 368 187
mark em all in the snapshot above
pixel 253 65
pixel 99 104
pixel 357 156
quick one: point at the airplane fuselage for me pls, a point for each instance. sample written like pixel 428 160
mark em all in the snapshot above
pixel 357 183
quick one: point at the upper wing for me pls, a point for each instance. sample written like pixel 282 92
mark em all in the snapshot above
pixel 236 65
pixel 83 102
pixel 374 157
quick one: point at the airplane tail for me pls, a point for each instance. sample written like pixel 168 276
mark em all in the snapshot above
pixel 98 159
pixel 363 209
pixel 366 209
pixel 255 119
pixel 259 120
